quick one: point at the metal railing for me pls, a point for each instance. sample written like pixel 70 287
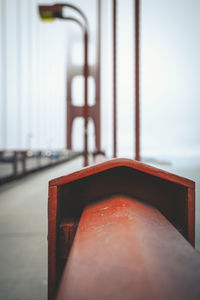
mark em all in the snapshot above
pixel 19 163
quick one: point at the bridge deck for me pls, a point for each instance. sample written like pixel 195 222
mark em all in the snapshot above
pixel 23 231
pixel 23 234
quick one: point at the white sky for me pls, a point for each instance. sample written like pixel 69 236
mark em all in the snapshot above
pixel 35 64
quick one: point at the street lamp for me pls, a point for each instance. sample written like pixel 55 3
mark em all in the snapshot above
pixel 51 12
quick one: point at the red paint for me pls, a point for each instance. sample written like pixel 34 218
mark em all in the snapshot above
pixel 170 194
pixel 67 232
pixel 74 111
pixel 52 235
pixel 137 79
pixel 85 29
pixel 56 11
pixel 117 162
pixel 86 97
pixel 126 249
pixel 114 79
pixel 98 81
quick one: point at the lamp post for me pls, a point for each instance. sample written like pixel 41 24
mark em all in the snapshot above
pixel 114 78
pixel 51 12
pixel 137 79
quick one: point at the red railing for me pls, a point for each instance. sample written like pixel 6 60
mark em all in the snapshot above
pixel 127 212
pixel 126 249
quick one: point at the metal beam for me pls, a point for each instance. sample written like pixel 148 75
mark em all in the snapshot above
pixel 114 78
pixel 137 79
pixel 126 249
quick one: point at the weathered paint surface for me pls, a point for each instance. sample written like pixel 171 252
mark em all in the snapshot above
pixel 126 249
pixel 171 195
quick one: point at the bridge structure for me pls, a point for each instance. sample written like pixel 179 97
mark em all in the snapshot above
pixel 119 228
pixel 93 112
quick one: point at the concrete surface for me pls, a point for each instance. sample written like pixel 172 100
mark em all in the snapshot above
pixel 23 232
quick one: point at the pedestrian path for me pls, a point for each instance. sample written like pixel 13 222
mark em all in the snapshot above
pixel 23 230
pixel 23 234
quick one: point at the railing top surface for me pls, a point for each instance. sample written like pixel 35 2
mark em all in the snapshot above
pixel 122 162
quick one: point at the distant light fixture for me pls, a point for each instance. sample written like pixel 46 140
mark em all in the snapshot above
pixel 29 153
pixel 50 12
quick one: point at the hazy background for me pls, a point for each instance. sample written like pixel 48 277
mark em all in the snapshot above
pixel 33 63
pixel 33 60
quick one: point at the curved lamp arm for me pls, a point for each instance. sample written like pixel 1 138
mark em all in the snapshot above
pixel 51 12
pixel 76 9
pixel 67 18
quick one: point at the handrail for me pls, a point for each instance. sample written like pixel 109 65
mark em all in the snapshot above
pixel 126 249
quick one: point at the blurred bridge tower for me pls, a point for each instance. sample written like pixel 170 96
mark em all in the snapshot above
pixel 75 111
